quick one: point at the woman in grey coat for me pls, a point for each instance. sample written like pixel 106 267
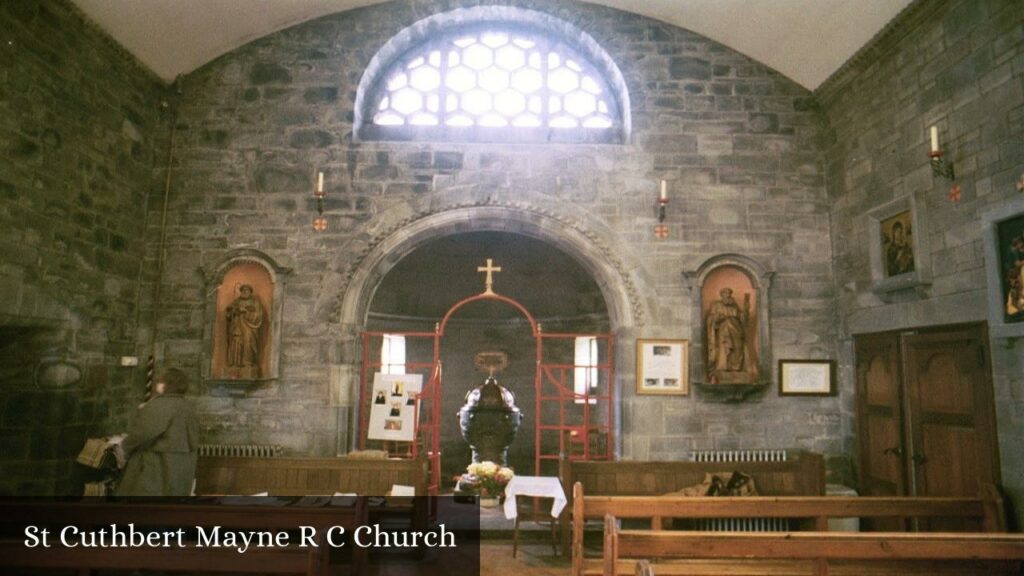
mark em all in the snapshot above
pixel 162 444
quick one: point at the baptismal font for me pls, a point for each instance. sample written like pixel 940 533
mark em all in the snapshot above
pixel 489 418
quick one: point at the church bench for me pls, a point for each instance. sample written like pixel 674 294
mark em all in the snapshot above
pixel 810 553
pixel 302 476
pixel 182 555
pixel 802 474
pixel 813 512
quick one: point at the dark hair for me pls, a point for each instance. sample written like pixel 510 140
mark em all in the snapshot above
pixel 175 381
pixel 897 226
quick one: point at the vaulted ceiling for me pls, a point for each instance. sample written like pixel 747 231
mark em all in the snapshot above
pixel 805 40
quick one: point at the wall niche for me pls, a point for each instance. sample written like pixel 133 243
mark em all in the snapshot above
pixel 733 359
pixel 243 321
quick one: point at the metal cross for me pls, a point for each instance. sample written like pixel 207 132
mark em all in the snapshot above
pixel 490 280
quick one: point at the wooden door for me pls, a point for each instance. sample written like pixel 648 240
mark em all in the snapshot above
pixel 950 415
pixel 925 415
pixel 880 416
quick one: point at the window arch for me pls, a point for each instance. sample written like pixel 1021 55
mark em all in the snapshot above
pixel 496 74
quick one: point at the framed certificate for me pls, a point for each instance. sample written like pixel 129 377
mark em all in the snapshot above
pixel 807 377
pixel 662 367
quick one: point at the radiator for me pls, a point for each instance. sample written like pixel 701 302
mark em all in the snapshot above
pixel 741 524
pixel 241 450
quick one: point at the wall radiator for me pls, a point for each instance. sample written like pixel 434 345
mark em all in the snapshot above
pixel 741 524
pixel 241 450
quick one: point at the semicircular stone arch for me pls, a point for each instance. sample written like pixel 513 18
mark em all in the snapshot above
pixel 621 295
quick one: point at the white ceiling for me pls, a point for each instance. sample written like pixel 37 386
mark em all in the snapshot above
pixel 806 40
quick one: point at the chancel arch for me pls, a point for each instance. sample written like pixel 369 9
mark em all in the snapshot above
pixel 394 292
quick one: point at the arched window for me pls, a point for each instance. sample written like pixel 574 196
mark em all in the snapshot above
pixel 493 81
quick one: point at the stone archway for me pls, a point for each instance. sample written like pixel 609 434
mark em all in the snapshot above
pixel 590 249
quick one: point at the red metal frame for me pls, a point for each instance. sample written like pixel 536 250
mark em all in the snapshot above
pixel 569 426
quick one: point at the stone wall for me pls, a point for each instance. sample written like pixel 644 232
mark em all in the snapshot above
pixel 740 144
pixel 77 125
pixel 957 64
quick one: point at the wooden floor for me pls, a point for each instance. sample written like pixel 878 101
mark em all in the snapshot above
pixel 534 558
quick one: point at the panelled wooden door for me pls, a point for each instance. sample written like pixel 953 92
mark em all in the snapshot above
pixel 925 414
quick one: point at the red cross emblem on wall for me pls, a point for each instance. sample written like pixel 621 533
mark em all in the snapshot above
pixel 661 231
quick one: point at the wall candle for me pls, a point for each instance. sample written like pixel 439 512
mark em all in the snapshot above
pixel 320 183
pixel 935 139
pixel 664 190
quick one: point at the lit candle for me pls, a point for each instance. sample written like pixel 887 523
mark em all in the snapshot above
pixel 320 183
pixel 935 138
pixel 664 190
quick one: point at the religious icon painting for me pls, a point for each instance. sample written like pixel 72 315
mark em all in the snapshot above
pixel 388 419
pixel 662 367
pixel 1003 235
pixel 1011 264
pixel 897 244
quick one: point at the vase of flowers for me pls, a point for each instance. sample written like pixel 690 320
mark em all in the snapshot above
pixel 486 479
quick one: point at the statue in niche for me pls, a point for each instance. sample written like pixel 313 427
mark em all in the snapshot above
pixel 244 319
pixel 727 324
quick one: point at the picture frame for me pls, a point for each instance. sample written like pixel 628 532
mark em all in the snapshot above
pixel 1002 233
pixel 662 367
pixel 898 241
pixel 807 377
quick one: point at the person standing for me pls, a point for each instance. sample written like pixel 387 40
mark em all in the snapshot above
pixel 162 444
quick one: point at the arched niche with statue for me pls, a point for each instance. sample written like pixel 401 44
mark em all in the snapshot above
pixel 731 302
pixel 242 338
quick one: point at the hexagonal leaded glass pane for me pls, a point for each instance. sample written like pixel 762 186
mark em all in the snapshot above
pixel 494 79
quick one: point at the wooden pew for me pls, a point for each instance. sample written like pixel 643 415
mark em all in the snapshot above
pixel 303 476
pixel 802 474
pixel 96 514
pixel 308 476
pixel 813 553
pixel 812 512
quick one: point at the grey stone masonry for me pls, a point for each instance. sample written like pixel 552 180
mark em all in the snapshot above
pixel 77 151
pixel 958 65
pixel 739 144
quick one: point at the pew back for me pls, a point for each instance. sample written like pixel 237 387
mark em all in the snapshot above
pixel 801 474
pixel 307 475
pixel 819 553
pixel 987 511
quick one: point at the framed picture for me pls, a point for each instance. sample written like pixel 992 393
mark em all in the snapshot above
pixel 1003 234
pixel 807 377
pixel 897 239
pixel 662 367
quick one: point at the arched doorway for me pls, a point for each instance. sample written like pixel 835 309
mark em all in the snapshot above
pixel 433 307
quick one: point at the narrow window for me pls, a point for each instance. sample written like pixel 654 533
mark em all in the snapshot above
pixel 392 354
pixel 585 378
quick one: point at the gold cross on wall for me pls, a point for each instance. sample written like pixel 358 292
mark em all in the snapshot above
pixel 490 268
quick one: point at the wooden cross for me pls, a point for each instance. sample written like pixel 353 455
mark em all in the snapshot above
pixel 490 280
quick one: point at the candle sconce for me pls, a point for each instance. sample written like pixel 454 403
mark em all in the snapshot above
pixel 661 230
pixel 940 167
pixel 320 223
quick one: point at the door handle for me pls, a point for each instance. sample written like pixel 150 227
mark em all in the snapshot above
pixel 895 451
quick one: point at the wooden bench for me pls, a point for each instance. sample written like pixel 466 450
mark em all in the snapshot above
pixel 303 476
pixel 802 474
pixel 811 553
pixel 308 476
pixel 94 515
pixel 811 512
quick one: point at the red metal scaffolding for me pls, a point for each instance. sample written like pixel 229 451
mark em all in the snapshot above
pixel 582 429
